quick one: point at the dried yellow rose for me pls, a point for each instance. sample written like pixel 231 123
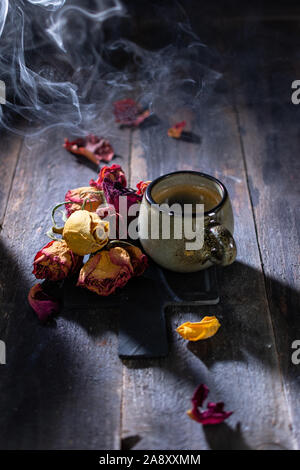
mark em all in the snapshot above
pixel 85 233
pixel 193 331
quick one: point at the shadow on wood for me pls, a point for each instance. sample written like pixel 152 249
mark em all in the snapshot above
pixel 223 437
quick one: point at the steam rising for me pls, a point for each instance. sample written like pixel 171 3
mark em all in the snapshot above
pixel 57 65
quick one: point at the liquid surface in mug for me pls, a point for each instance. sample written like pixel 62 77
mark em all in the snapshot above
pixel 188 194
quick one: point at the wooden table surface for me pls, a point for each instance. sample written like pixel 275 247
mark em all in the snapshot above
pixel 64 386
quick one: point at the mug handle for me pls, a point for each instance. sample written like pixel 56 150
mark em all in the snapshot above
pixel 222 245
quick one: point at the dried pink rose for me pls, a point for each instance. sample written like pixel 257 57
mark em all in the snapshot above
pixel 114 172
pixel 42 303
pixel 109 269
pixel 96 149
pixel 105 271
pixel 214 414
pixel 128 112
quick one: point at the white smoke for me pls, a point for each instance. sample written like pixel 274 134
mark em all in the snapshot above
pixel 56 65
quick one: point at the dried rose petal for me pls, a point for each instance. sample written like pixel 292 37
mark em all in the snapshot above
pixel 176 130
pixel 142 186
pixel 195 331
pixel 55 261
pixel 138 259
pixel 42 303
pixel 141 117
pixel 77 196
pixel 128 113
pixel 113 172
pixel 200 395
pixel 95 148
pixel 214 414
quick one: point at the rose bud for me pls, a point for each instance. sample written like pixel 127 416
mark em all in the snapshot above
pixel 55 261
pixel 86 194
pixel 85 233
pixel 106 271
pixel 42 303
pixel 113 172
pixel 142 186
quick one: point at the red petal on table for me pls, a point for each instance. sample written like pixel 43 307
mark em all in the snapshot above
pixel 176 130
pixel 94 148
pixel 141 117
pixel 200 395
pixel 42 303
pixel 128 113
pixel 214 414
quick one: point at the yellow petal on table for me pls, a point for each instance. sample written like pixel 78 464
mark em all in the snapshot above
pixel 193 331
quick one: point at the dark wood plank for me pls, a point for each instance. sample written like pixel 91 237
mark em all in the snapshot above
pixel 9 152
pixel 61 387
pixel 240 363
pixel 270 138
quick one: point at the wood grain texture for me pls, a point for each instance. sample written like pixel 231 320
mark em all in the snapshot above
pixel 273 165
pixel 61 387
pixel 240 363
pixel 9 152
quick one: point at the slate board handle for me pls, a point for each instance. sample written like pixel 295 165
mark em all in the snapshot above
pixel 143 326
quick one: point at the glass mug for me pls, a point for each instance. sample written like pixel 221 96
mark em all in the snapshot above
pixel 217 224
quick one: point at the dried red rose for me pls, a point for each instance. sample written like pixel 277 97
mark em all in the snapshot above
pixel 214 414
pixel 128 113
pixel 55 261
pixel 176 130
pixel 113 190
pixel 78 196
pixel 142 186
pixel 94 148
pixel 113 172
pixel 42 303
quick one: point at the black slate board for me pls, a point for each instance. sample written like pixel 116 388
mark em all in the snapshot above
pixel 142 330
